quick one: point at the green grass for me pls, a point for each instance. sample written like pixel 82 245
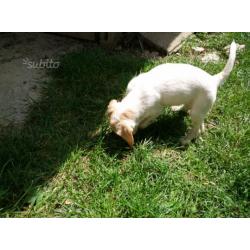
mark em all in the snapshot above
pixel 65 162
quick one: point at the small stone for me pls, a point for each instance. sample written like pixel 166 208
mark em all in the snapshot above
pixel 67 202
pixel 211 57
pixel 198 49
pixel 239 47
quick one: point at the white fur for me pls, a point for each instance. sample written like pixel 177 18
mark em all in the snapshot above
pixel 173 85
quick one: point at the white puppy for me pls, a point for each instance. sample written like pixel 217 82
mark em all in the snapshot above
pixel 167 84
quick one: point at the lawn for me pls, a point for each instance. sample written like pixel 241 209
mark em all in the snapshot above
pixel 66 162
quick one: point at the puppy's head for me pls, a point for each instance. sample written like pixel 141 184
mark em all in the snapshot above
pixel 119 123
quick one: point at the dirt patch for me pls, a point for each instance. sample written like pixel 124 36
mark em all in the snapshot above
pixel 23 58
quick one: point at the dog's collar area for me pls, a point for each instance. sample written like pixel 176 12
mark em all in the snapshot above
pixel 114 117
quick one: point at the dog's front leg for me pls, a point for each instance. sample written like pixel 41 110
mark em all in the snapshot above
pixel 146 122
pixel 198 112
pixel 150 118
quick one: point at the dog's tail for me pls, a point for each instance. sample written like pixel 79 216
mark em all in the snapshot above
pixel 223 75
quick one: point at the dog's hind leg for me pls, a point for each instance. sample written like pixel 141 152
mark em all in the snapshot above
pixel 198 112
pixel 202 128
pixel 194 132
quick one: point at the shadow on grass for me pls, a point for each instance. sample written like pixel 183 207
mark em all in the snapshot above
pixel 168 129
pixel 73 106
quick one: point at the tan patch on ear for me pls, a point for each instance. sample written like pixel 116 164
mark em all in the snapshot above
pixel 111 107
pixel 126 133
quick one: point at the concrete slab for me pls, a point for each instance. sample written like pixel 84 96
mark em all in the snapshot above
pixel 168 42
pixel 20 84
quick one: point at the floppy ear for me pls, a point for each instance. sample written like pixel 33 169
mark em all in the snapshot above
pixel 126 133
pixel 111 107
